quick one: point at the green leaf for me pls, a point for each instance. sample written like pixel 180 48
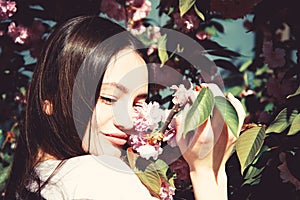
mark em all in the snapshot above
pixel 131 158
pixel 23 90
pixel 249 144
pixel 211 30
pixel 4 173
pixel 200 14
pixel 257 82
pixel 252 181
pixel 235 90
pixel 262 70
pixel 229 114
pixel 281 122
pixel 245 65
pixel 269 107
pixel 162 52
pixel 200 110
pixel 263 150
pixel 162 169
pixel 253 172
pixel 295 127
pixel 185 5
pixel 149 177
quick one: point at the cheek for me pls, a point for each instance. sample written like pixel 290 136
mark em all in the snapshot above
pixel 103 114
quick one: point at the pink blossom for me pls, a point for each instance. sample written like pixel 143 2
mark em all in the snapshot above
pixel 273 58
pixel 7 9
pixel 137 29
pixel 181 95
pixel 285 173
pixel 280 88
pixel 202 35
pixel 137 140
pixel 153 33
pixel 142 125
pixel 187 23
pixel 166 191
pixel 148 116
pixel 147 151
pixel 140 11
pixel 146 144
pixel 20 34
pixel 20 98
pixel 113 9
pixel 233 9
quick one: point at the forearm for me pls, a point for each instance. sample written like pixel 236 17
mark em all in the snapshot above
pixel 207 185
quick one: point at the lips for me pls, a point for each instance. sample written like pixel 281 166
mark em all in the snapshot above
pixel 117 139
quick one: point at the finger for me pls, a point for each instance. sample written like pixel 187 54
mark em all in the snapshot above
pixel 180 121
pixel 203 139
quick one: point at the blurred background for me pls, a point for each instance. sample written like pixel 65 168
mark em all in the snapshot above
pixel 254 48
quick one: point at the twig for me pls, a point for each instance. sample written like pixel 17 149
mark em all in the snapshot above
pixel 176 108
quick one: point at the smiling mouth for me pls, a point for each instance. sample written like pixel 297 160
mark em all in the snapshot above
pixel 118 140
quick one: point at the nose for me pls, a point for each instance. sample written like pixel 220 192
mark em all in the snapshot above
pixel 123 113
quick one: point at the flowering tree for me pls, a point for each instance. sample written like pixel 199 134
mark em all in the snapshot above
pixel 266 157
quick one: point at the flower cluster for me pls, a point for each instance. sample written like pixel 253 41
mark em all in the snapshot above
pixel 152 128
pixel 233 9
pixel 147 141
pixel 181 95
pixel 131 11
pixel 166 191
pixel 186 23
pixel 140 9
pixel 274 58
pixel 24 35
pixel 19 33
pixel 7 9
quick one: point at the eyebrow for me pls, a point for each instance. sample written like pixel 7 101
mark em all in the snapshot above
pixel 117 85
pixel 124 89
pixel 142 96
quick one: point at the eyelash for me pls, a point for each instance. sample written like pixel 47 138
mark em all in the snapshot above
pixel 107 100
pixel 137 105
pixel 110 101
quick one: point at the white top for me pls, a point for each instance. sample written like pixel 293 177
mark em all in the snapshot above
pixel 90 177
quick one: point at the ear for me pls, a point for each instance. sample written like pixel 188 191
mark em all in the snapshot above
pixel 47 107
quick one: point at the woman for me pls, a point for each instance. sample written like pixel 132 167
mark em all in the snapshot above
pixel 75 123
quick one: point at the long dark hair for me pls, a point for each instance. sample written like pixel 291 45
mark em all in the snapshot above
pixel 53 80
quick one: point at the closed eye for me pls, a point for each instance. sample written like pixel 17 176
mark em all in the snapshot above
pixel 139 102
pixel 107 100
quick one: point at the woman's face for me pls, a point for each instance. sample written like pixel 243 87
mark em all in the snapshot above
pixel 124 86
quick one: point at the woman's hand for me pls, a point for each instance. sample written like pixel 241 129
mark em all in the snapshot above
pixel 208 149
pixel 211 144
